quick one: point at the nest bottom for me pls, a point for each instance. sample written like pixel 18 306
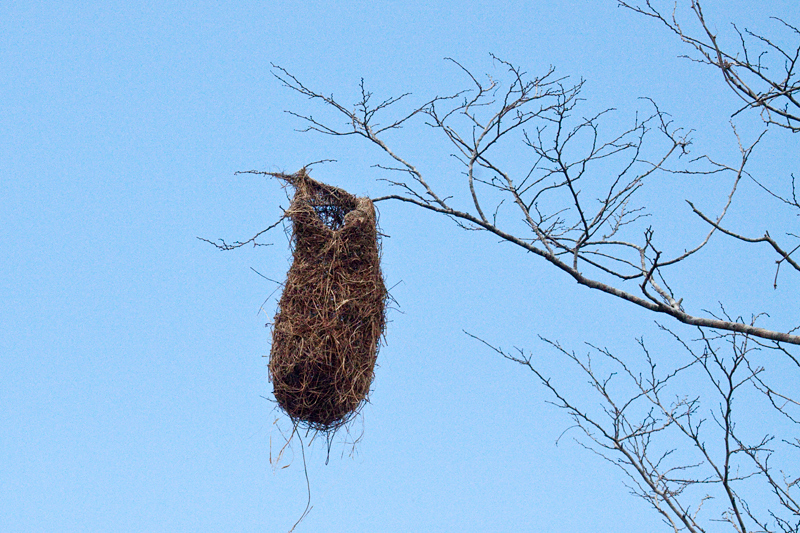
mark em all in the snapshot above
pixel 321 393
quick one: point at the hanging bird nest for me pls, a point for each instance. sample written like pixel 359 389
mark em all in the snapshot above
pixel 331 315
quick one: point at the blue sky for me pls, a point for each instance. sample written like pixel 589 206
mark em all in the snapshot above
pixel 131 354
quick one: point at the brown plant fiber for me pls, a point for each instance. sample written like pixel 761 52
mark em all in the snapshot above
pixel 331 315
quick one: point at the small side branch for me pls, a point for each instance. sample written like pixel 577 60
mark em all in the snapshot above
pixel 222 245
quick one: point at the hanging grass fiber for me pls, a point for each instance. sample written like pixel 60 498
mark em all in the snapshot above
pixel 331 314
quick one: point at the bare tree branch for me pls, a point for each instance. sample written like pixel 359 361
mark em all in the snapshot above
pixel 641 432
pixel 776 95
pixel 573 233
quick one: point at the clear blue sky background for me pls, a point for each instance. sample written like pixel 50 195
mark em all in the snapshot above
pixel 132 376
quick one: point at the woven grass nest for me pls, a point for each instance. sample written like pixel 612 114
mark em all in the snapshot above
pixel 331 314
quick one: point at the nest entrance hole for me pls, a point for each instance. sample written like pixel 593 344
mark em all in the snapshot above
pixel 330 204
pixel 331 215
